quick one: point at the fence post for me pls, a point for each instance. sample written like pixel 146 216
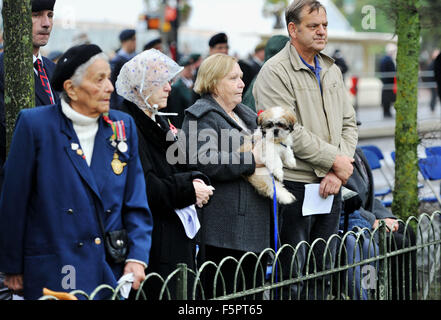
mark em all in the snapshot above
pixel 181 286
pixel 382 265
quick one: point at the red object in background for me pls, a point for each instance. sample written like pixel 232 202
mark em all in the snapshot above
pixel 153 23
pixel 173 51
pixel 354 82
pixel 395 85
pixel 170 14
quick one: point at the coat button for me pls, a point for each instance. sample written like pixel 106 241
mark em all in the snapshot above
pixel 109 211
pixel 80 244
pixel 70 211
pixel 97 241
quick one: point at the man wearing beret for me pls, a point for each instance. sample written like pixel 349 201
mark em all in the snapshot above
pixel 218 44
pixel 42 22
pixel 127 38
pixel 154 44
pixel 74 188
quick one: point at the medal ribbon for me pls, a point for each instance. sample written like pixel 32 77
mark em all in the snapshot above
pixel 120 130
pixel 111 124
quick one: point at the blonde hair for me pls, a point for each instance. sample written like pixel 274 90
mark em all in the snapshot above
pixel 212 70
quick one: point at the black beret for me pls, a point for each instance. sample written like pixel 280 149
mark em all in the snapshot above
pixel 218 38
pixel 70 61
pixel 126 34
pixel 152 43
pixel 40 5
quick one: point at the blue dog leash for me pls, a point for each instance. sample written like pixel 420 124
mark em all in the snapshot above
pixel 276 236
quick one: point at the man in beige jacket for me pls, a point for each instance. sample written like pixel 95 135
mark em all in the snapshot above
pixel 325 137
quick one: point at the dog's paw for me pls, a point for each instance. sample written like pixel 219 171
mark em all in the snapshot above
pixel 290 163
pixel 286 197
pixel 278 174
pixel 283 195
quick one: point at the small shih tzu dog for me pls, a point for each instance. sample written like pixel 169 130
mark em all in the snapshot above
pixel 273 140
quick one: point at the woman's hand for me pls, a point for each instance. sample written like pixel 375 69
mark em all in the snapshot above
pixel 257 153
pixel 202 191
pixel 138 273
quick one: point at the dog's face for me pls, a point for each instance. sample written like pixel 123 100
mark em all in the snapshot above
pixel 276 123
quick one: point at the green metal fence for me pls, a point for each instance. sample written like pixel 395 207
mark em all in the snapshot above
pixel 360 264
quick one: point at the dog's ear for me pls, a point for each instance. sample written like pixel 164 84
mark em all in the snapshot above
pixel 290 115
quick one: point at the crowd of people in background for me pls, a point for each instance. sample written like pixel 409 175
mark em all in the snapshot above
pixel 88 180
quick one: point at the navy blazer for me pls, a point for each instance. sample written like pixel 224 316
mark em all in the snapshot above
pixel 50 198
pixel 41 99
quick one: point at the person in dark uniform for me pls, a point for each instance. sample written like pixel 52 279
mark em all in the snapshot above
pixel 74 189
pixel 251 66
pixel 218 44
pixel 340 62
pixel 172 189
pixel 181 95
pixel 42 22
pixel 127 52
pixel 388 69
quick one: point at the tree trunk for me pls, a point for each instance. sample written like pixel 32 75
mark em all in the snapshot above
pixel 405 193
pixel 18 64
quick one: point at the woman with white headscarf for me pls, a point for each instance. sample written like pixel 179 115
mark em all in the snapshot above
pixel 172 190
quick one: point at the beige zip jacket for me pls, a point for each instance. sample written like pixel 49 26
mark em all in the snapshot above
pixel 326 123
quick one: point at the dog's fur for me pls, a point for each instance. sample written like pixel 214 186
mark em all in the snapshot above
pixel 273 141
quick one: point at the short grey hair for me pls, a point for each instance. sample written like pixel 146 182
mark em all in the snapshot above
pixel 292 13
pixel 79 74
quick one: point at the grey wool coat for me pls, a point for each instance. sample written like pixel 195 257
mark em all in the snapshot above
pixel 236 217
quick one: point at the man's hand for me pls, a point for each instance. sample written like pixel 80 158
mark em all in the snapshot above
pixel 330 184
pixel 138 273
pixel 391 224
pixel 14 282
pixel 343 167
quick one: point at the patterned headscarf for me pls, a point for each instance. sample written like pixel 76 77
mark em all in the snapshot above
pixel 143 74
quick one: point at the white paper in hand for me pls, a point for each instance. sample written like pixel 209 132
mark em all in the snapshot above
pixel 314 203
pixel 190 220
pixel 128 280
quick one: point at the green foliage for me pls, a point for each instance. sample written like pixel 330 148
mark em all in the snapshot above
pixel 429 12
pixel 383 22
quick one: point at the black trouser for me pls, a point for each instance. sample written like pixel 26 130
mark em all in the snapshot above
pixel 294 228
pixel 403 266
pixel 228 269
pixel 387 99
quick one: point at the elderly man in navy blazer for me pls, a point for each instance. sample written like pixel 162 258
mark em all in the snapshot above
pixel 72 176
pixel 42 22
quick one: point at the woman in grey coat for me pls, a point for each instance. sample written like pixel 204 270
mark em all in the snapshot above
pixel 236 219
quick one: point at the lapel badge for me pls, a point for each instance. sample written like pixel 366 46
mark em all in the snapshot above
pixel 74 146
